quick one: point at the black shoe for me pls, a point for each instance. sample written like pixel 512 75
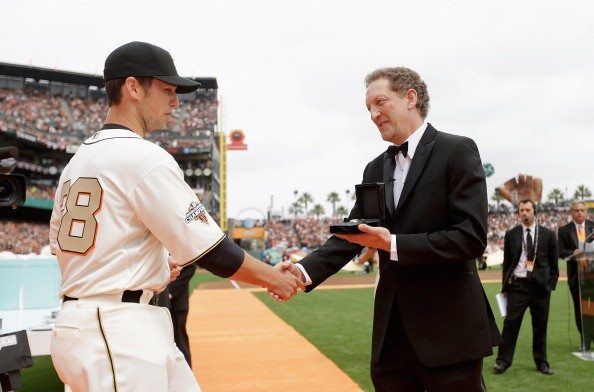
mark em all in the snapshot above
pixel 545 369
pixel 500 367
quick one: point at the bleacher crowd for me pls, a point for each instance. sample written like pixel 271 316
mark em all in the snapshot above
pixel 59 121
pixel 22 237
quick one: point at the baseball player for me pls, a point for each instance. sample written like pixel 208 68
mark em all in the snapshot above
pixel 121 206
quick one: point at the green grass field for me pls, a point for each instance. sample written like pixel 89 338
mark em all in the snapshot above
pixel 338 322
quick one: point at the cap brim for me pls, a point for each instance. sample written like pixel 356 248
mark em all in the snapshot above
pixel 184 85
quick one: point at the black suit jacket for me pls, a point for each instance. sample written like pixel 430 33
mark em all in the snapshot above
pixel 568 243
pixel 179 290
pixel 440 225
pixel 546 271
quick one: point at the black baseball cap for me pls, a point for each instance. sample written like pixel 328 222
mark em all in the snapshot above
pixel 144 59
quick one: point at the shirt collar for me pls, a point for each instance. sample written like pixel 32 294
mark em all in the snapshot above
pixel 414 139
pixel 109 131
pixel 531 227
pixel 579 225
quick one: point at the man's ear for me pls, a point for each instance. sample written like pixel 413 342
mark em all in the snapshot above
pixel 133 89
pixel 411 98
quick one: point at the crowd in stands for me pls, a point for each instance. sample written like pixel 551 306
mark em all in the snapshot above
pixel 313 232
pixel 281 231
pixel 59 121
pixel 200 118
pixel 23 237
pixel 310 233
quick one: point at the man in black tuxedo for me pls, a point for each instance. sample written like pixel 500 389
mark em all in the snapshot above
pixel 179 305
pixel 432 323
pixel 530 273
pixel 176 298
pixel 570 237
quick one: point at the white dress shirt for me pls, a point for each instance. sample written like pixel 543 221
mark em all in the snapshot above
pixel 400 173
pixel 520 271
pixel 580 227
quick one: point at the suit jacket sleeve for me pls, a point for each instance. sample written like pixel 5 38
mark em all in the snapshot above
pixel 565 242
pixel 553 260
pixel 329 258
pixel 507 261
pixel 465 236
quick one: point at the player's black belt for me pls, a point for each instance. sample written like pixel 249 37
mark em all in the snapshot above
pixel 127 296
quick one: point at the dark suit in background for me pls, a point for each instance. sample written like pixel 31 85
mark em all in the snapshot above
pixel 568 243
pixel 532 292
pixel 432 322
pixel 179 307
pixel 176 298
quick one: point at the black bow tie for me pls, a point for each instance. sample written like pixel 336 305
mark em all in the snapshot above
pixel 392 151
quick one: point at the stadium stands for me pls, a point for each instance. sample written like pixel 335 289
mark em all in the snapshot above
pixel 60 120
pixel 309 233
pixel 48 113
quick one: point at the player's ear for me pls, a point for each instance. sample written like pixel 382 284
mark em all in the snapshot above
pixel 132 88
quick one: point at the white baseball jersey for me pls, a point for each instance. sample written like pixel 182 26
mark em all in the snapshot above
pixel 121 206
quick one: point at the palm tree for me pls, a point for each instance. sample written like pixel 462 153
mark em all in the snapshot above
pixel 306 198
pixel 333 198
pixel 318 210
pixel 342 211
pixel 295 209
pixel 556 195
pixel 582 192
pixel 347 192
pixel 497 198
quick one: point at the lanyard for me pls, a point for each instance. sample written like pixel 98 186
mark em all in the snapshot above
pixel 534 244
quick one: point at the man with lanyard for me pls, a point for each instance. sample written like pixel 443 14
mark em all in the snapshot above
pixel 530 273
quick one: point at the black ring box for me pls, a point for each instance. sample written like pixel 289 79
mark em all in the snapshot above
pixel 371 200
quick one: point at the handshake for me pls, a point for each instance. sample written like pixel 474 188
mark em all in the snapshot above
pixel 287 280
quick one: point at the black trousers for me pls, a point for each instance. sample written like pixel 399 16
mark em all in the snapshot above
pixel 180 334
pixel 524 294
pixel 399 369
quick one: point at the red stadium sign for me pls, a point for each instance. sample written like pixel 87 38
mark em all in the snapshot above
pixel 236 137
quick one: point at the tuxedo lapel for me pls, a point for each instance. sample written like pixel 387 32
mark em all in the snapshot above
pixel 517 245
pixel 589 228
pixel 574 236
pixel 388 176
pixel 418 163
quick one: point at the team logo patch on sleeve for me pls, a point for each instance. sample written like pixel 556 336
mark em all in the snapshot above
pixel 196 211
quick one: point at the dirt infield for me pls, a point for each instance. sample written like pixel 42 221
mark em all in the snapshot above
pixel 238 344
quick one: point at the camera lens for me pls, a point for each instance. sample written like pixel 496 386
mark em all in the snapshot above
pixel 8 191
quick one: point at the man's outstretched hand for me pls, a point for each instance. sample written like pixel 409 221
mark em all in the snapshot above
pixel 372 237
pixel 174 269
pixel 287 267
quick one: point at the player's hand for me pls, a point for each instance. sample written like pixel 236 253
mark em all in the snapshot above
pixel 293 269
pixel 372 237
pixel 286 283
pixel 174 269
